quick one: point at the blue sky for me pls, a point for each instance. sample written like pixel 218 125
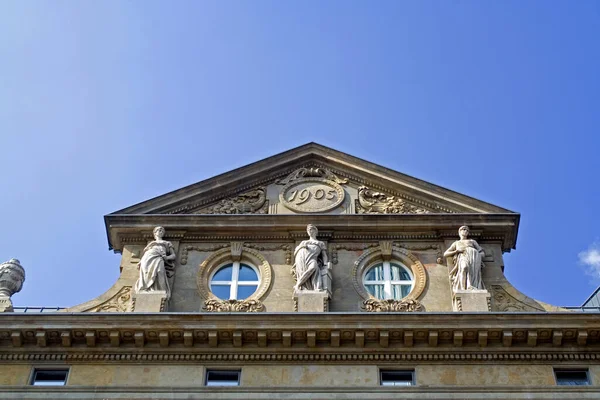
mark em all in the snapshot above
pixel 106 104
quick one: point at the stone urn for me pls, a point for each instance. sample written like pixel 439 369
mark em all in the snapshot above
pixel 12 276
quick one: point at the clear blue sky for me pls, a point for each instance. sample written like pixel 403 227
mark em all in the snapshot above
pixel 106 104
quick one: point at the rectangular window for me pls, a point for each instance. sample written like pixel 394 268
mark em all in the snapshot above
pixel 223 377
pixel 572 377
pixel 397 378
pixel 49 377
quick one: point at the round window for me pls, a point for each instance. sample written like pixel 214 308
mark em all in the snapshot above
pixel 388 280
pixel 234 281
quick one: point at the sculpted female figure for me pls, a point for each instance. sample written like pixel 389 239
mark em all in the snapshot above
pixel 156 265
pixel 467 258
pixel 310 257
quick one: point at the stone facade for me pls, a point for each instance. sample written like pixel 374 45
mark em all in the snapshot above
pixel 493 342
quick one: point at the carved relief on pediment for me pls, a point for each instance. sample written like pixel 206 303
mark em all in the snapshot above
pixel 312 190
pixel 252 202
pixel 372 202
pixel 311 172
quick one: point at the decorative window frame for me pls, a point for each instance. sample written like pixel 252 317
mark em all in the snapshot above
pixel 235 252
pixel 388 252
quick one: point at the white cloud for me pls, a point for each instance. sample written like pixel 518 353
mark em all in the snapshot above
pixel 591 259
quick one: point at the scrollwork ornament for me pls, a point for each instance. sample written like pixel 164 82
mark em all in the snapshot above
pixel 372 202
pixel 376 305
pixel 311 172
pixel 252 202
pixel 214 305
pixel 120 302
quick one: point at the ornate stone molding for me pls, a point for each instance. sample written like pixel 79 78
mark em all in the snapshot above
pixel 206 249
pixel 476 334
pixel 376 305
pixel 346 357
pixel 214 305
pixel 252 202
pixel 424 247
pixel 223 256
pixel 267 247
pixel 374 254
pixel 503 301
pixel 371 202
pixel 311 172
pixel 333 249
pixel 120 302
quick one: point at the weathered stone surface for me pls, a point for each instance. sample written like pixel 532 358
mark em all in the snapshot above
pixel 310 375
pixel 149 301
pixel 485 375
pixel 137 375
pixel 472 300
pixel 312 300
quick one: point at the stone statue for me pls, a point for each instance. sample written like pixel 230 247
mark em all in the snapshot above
pixel 157 265
pixel 310 261
pixel 467 258
pixel 12 276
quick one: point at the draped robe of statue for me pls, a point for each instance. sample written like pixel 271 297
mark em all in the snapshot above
pixel 154 270
pixel 466 274
pixel 308 264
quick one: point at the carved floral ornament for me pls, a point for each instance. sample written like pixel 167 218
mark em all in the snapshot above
pixel 372 202
pixel 235 252
pixel 378 254
pixel 252 202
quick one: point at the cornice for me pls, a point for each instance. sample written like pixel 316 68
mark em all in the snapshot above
pixel 124 229
pixel 352 336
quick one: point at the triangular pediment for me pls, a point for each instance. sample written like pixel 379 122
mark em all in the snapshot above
pixel 312 179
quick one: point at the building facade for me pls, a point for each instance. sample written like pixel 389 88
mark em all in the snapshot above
pixel 311 274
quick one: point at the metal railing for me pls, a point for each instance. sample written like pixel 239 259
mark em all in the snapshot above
pixel 584 309
pixel 37 309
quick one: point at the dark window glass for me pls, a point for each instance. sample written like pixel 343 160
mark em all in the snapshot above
pixel 49 377
pixel 397 378
pixel 574 377
pixel 222 378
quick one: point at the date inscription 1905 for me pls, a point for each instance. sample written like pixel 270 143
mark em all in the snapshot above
pixel 312 195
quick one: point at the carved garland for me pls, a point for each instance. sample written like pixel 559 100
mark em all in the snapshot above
pixel 285 247
pixel 376 305
pixel 333 249
pixel 183 258
pixel 219 257
pixel 214 305
pixel 372 255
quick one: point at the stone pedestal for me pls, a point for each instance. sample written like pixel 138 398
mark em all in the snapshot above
pixel 150 301
pixel 472 301
pixel 6 304
pixel 311 301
